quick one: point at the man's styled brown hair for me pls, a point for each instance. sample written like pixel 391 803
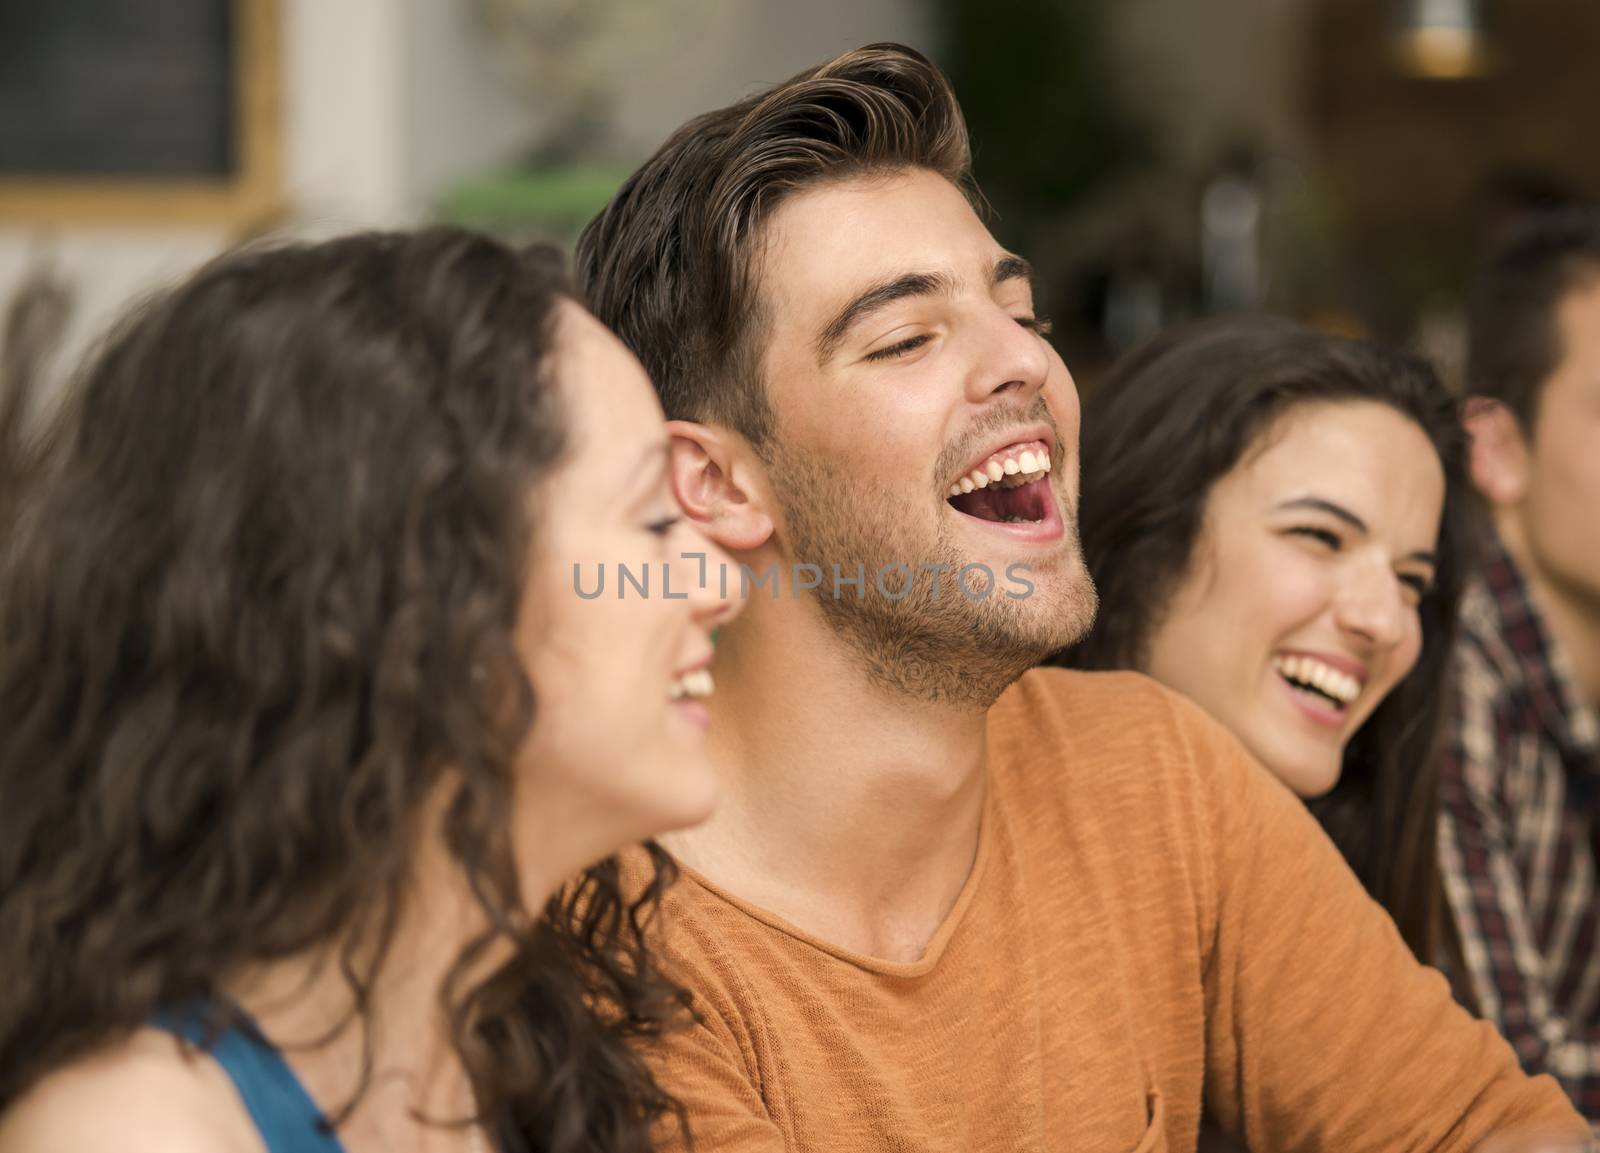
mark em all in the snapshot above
pixel 672 264
pixel 1515 340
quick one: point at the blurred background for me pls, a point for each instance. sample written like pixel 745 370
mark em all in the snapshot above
pixel 1344 161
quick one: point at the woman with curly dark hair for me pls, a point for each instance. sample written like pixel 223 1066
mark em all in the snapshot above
pixel 304 725
pixel 1275 520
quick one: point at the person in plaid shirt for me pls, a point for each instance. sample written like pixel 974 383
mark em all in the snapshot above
pixel 1520 786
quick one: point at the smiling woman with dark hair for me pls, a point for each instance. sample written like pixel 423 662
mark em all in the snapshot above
pixel 303 729
pixel 1275 523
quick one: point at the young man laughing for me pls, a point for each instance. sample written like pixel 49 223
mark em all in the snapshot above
pixel 949 903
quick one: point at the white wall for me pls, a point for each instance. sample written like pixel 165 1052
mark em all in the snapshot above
pixel 344 146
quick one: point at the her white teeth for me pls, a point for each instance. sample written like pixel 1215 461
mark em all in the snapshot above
pixel 1012 467
pixel 966 484
pixel 696 684
pixel 980 479
pixel 1027 463
pixel 1310 671
pixel 955 490
pixel 1044 461
pixel 995 471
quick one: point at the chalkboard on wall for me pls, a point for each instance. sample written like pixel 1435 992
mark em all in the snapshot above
pixel 139 110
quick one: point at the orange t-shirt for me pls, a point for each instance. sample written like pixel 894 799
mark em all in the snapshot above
pixel 1152 923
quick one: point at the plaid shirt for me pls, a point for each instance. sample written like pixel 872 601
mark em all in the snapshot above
pixel 1519 835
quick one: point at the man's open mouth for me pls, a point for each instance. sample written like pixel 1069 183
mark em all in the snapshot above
pixel 1009 487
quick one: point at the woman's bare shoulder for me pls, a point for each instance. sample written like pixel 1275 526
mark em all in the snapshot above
pixel 142 1095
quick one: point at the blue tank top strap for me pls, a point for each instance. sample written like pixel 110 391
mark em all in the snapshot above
pixel 284 1113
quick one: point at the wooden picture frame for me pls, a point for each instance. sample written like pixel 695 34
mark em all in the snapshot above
pixel 249 198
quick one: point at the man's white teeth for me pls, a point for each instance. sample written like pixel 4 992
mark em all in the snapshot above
pixel 1341 687
pixel 696 684
pixel 1014 471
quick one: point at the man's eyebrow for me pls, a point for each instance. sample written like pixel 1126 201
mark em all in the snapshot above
pixel 1010 267
pixel 874 298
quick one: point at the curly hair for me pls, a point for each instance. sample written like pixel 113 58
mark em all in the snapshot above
pixel 1174 418
pixel 259 610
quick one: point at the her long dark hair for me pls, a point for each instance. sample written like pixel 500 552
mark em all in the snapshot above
pixel 1176 417
pixel 256 610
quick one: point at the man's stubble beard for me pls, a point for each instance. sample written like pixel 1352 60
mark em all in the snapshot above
pixel 946 649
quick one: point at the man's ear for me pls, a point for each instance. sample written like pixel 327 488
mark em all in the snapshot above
pixel 721 484
pixel 1499 457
